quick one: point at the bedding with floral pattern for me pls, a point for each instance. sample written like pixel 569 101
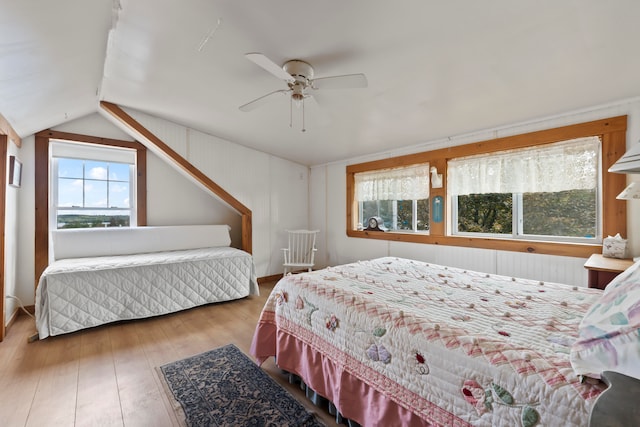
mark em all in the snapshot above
pixel 609 334
pixel 399 341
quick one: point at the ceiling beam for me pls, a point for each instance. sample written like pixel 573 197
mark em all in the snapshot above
pixel 7 129
pixel 146 137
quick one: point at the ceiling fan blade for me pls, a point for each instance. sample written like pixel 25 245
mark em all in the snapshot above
pixel 269 65
pixel 258 102
pixel 340 82
pixel 318 113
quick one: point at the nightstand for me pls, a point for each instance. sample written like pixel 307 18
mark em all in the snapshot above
pixel 603 270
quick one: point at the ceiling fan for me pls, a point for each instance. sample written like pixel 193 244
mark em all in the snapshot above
pixel 298 75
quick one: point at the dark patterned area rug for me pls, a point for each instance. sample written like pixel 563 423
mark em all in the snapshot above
pixel 223 387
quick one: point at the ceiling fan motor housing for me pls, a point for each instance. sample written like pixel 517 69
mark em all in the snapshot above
pixel 301 71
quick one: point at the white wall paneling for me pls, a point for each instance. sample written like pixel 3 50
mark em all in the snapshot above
pixel 94 124
pixel 417 251
pixel 172 198
pixel 24 223
pixel 549 268
pixel 275 190
pixel 11 241
pixel 289 205
pixel 318 212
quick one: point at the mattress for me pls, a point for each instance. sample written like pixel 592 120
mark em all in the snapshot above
pixel 432 344
pixel 78 293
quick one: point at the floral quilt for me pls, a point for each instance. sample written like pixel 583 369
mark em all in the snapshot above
pixel 454 347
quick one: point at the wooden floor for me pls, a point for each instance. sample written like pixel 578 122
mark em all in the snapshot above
pixel 106 376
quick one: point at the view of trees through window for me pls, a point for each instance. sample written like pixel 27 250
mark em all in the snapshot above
pixel 570 213
pixel 398 214
pixel 485 213
pixel 88 221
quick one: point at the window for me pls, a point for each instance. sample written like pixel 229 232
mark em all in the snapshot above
pixel 399 196
pixel 93 186
pixel 547 192
pixel 537 210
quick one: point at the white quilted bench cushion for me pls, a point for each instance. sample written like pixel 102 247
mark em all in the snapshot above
pixel 79 293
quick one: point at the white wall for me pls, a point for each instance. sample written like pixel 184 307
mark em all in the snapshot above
pixel 275 190
pixel 328 210
pixel 11 237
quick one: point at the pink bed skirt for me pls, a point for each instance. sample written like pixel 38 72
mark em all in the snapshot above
pixel 353 398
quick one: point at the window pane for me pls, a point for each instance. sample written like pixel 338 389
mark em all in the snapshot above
pixel 95 194
pixel 70 192
pixel 569 213
pixel 385 211
pixel 369 209
pixel 96 170
pixel 118 172
pixel 70 168
pixel 381 208
pixel 119 194
pixel 85 219
pixel 423 214
pixel 405 215
pixel 485 213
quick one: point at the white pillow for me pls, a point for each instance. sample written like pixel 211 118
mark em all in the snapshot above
pixel 609 334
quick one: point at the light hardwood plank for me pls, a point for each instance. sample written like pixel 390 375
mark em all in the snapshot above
pixel 98 402
pixel 20 372
pixel 140 398
pixel 107 376
pixel 54 402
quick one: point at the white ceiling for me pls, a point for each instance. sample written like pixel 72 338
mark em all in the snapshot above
pixel 435 68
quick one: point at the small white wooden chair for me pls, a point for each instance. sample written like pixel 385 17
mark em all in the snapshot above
pixel 301 251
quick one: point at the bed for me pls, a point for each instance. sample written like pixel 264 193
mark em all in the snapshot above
pixel 107 275
pixel 393 341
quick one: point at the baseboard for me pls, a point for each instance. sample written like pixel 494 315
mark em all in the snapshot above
pixel 275 277
pixel 267 279
pixel 18 312
pixel 12 319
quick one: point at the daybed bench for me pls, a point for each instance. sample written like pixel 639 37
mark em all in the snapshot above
pixel 99 276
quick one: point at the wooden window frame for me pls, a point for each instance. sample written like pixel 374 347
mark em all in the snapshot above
pixel 42 141
pixel 612 132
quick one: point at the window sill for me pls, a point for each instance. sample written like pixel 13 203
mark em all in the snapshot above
pixel 580 250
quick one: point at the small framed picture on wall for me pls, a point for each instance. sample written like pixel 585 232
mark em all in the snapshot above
pixel 15 171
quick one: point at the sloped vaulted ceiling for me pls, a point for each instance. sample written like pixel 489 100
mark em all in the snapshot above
pixel 434 68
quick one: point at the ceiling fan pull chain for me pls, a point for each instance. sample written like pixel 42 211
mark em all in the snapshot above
pixel 290 112
pixel 303 128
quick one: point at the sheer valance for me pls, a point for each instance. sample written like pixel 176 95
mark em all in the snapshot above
pixel 567 165
pixel 408 183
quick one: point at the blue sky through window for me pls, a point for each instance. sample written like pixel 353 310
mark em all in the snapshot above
pixel 93 184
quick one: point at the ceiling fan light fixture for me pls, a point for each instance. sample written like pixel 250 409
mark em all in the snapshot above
pixel 297 93
pixel 299 103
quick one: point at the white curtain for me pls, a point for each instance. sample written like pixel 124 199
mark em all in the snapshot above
pixel 408 183
pixel 567 165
